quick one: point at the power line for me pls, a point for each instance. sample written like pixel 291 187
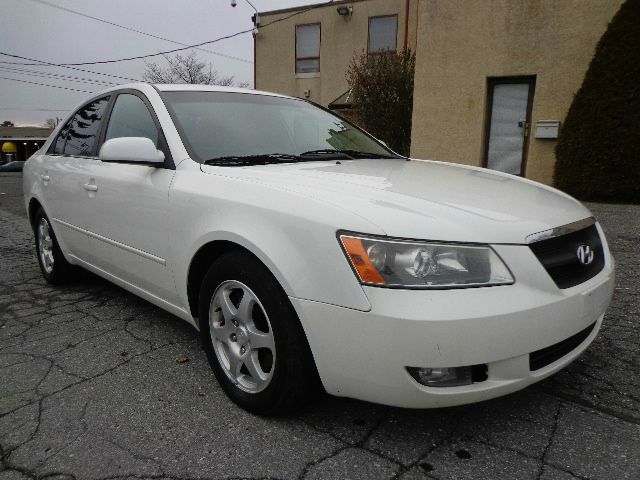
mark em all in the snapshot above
pixel 140 57
pixel 42 63
pixel 45 85
pixel 55 76
pixel 166 52
pixel 124 27
pixel 49 77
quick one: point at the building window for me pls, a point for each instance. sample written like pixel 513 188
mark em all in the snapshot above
pixel 308 48
pixel 383 33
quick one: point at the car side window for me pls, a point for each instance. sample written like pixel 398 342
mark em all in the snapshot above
pixel 84 128
pixel 58 145
pixel 130 117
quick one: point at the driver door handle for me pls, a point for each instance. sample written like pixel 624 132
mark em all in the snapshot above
pixel 45 178
pixel 89 187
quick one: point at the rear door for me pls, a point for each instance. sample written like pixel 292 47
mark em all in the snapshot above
pixel 508 123
pixel 129 224
pixel 64 172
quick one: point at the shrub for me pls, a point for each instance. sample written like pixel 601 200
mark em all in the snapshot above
pixel 598 151
pixel 382 95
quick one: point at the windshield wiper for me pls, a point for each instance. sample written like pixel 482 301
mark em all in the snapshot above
pixel 258 159
pixel 345 153
pixel 271 158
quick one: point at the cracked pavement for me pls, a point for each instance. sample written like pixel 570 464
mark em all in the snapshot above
pixel 90 389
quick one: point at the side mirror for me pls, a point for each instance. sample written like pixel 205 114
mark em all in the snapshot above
pixel 136 150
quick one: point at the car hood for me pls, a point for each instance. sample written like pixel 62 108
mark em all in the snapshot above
pixel 423 199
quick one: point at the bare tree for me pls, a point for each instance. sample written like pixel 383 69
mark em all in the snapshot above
pixel 382 95
pixel 186 69
pixel 50 123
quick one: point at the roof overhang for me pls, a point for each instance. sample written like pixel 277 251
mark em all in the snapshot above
pixel 342 102
pixel 23 139
pixel 310 7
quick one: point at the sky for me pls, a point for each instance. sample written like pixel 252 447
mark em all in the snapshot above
pixel 38 30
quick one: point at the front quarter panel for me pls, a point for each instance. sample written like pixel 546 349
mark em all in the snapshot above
pixel 293 236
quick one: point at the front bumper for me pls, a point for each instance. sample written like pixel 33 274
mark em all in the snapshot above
pixel 364 354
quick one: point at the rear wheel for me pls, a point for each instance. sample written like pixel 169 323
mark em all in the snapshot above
pixel 54 266
pixel 253 338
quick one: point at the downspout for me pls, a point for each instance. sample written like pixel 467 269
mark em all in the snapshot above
pixel 254 62
pixel 406 23
pixel 415 48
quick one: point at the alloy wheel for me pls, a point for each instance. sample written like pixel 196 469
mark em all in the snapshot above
pixel 45 245
pixel 242 336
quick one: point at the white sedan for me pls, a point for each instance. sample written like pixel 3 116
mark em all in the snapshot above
pixel 310 256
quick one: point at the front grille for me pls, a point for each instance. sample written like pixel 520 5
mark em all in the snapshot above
pixel 546 356
pixel 559 256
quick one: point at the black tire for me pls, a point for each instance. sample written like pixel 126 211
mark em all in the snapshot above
pixel 59 271
pixel 294 381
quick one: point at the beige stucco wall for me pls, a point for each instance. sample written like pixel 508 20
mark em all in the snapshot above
pixel 341 38
pixel 462 42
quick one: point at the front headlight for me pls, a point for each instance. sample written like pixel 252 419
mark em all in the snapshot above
pixel 409 264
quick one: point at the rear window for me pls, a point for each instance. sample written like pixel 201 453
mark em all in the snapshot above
pixel 58 145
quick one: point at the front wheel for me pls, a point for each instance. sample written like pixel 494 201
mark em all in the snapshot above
pixel 253 338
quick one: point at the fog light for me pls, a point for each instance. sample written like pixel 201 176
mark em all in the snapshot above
pixel 442 376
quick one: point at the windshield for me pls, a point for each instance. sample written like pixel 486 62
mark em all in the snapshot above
pixel 224 126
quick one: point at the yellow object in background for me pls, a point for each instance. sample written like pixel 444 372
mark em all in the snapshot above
pixel 9 147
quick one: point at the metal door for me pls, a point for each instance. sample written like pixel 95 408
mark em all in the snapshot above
pixel 508 124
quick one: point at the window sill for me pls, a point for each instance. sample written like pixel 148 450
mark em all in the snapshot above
pixel 308 75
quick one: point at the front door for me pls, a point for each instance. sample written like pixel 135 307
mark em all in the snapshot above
pixel 508 123
pixel 129 229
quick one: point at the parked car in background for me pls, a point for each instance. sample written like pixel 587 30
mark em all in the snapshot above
pixel 311 256
pixel 13 166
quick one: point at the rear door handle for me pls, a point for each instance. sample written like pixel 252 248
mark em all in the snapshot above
pixel 89 187
pixel 45 178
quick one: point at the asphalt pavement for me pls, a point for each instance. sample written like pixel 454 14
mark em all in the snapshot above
pixel 90 388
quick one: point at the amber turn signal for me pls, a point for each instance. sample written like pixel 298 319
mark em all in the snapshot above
pixel 360 261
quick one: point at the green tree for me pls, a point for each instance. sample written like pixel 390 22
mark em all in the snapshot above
pixel 598 152
pixel 382 95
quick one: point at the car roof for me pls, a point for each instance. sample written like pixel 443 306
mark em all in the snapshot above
pixel 184 87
